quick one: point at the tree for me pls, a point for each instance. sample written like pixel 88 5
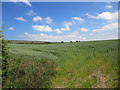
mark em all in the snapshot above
pixel 76 41
pixel 62 41
pixel 9 41
pixel 70 41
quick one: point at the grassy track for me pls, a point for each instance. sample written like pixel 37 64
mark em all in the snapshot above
pixel 76 65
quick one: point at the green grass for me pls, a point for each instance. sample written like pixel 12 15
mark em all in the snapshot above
pixel 76 65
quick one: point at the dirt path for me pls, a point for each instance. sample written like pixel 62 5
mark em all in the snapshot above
pixel 100 80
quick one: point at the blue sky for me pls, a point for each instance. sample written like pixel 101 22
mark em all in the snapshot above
pixel 57 21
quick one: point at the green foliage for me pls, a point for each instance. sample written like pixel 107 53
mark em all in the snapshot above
pixel 30 74
pixel 5 57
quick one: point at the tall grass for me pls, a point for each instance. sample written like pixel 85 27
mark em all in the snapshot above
pixel 77 64
pixel 29 74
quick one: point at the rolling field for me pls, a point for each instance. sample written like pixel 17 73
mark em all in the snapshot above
pixel 90 64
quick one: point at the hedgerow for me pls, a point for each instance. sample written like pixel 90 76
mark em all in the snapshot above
pixel 5 57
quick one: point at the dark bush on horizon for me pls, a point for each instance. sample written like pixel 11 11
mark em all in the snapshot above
pixel 62 41
pixel 70 41
pixel 47 42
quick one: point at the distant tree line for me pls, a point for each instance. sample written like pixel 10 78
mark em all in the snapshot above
pixel 70 41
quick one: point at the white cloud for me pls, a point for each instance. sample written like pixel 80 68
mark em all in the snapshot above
pixel 105 37
pixel 24 1
pixel 41 34
pixel 105 15
pixel 53 38
pixel 69 37
pixel 37 18
pixel 108 6
pixel 74 22
pixel 84 29
pixel 83 38
pixel 48 20
pixel 11 28
pixel 67 28
pixel 78 18
pixel 111 26
pixel 25 33
pixel 58 31
pixel 30 13
pixel 105 33
pixel 90 16
pixel 20 19
pixel 63 29
pixel 43 28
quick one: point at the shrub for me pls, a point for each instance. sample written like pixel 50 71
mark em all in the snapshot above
pixel 70 41
pixel 62 41
pixel 9 41
pixel 35 74
pixel 47 42
pixel 5 57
